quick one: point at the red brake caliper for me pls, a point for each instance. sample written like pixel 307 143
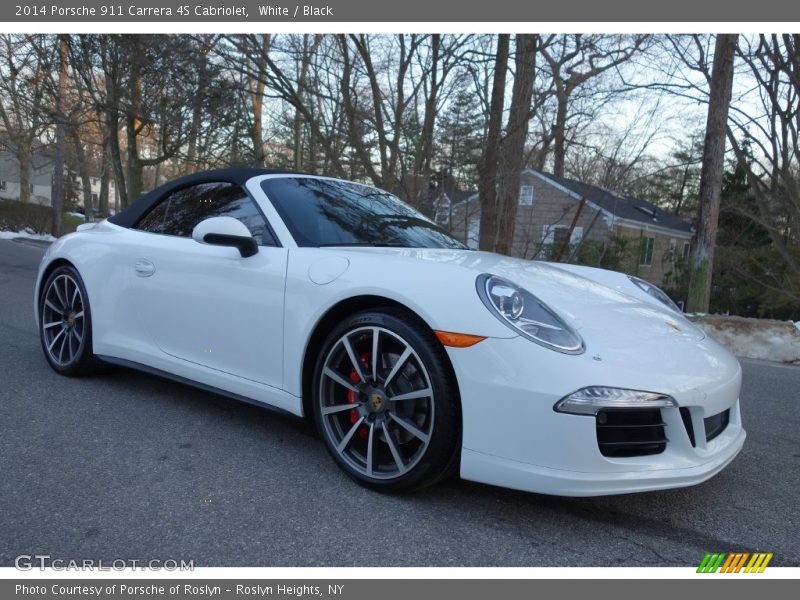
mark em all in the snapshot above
pixel 351 396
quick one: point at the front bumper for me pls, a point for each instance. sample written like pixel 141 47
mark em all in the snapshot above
pixel 513 438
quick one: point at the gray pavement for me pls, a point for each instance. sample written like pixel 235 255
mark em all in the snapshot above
pixel 128 466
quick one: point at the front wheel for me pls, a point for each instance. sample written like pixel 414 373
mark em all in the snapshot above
pixel 65 325
pixel 386 402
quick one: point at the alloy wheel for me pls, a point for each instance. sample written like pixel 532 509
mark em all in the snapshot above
pixel 63 320
pixel 377 402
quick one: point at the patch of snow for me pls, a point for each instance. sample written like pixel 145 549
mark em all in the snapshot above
pixel 763 339
pixel 797 324
pixel 77 215
pixel 26 233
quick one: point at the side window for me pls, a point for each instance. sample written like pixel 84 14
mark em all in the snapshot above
pixel 182 210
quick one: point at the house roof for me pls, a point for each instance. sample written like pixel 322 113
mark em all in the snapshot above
pixel 458 196
pixel 623 207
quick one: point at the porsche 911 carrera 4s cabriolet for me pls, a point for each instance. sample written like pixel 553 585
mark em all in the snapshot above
pixel 416 357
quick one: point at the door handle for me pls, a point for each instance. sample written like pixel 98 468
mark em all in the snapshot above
pixel 144 268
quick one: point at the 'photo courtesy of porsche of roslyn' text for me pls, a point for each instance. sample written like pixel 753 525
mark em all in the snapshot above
pixel 355 301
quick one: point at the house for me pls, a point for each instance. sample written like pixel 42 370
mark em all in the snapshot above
pixel 604 228
pixel 41 178
pixel 443 206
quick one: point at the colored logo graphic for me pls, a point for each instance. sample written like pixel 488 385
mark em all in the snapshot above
pixel 734 562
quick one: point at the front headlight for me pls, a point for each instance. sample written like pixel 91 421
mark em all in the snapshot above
pixel 655 292
pixel 528 316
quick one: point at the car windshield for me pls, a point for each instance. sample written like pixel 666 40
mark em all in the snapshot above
pixel 327 212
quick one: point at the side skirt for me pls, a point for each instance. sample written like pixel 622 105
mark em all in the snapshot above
pixel 121 362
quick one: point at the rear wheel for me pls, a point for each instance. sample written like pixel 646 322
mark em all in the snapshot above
pixel 386 402
pixel 65 323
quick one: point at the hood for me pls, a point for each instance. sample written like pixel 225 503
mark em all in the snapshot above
pixel 595 310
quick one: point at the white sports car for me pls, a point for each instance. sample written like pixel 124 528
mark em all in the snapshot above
pixel 415 356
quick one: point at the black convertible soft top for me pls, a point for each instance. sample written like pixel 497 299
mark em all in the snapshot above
pixel 131 215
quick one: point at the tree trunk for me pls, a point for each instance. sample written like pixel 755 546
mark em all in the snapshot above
pixel 83 172
pixel 355 138
pixel 190 164
pixel 111 113
pixel 104 179
pixel 385 180
pixel 135 176
pixel 702 248
pixel 24 160
pixel 256 86
pixel 256 131
pixel 429 119
pixel 487 168
pixel 297 125
pixel 57 193
pixel 120 185
pixel 396 163
pixel 133 125
pixel 513 146
pixel 560 134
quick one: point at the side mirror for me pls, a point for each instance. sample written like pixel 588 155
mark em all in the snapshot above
pixel 225 231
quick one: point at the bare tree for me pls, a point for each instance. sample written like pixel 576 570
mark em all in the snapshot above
pixel 23 113
pixel 766 145
pixel 99 62
pixel 573 61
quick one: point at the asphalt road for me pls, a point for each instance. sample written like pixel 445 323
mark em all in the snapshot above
pixel 128 466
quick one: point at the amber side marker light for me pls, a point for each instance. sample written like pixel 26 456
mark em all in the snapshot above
pixel 458 340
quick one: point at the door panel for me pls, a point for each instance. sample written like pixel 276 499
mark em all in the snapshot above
pixel 208 305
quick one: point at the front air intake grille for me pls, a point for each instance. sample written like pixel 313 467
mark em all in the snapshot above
pixel 634 432
pixel 716 424
pixel 687 422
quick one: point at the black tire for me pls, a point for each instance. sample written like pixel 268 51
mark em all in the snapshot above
pixel 65 323
pixel 421 434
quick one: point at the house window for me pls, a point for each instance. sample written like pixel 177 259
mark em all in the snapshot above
pixel 474 233
pixel 31 188
pixel 685 249
pixel 557 234
pixel 560 235
pixel 648 248
pixel 442 213
pixel 2 186
pixel 673 249
pixel 3 147
pixel 526 195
